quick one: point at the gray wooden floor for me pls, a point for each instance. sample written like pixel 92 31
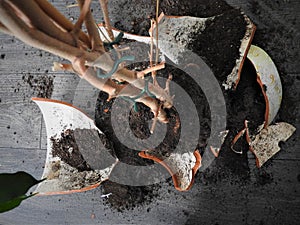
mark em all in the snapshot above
pixel 275 200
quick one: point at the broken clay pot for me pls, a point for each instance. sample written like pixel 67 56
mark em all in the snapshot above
pixel 72 135
pixel 268 79
pixel 264 142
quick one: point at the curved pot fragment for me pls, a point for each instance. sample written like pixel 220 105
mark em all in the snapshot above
pixel 234 77
pixel 181 166
pixel 268 79
pixel 264 145
pixel 75 160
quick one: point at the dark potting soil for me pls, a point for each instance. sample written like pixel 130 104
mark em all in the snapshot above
pixel 125 197
pixel 67 149
pixel 143 10
pixel 218 46
pixel 138 122
pixel 81 149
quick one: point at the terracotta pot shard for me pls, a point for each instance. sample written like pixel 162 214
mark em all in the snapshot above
pixel 61 119
pixel 269 80
pixel 181 166
pixel 264 145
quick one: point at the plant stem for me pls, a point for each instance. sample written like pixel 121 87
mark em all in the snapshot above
pixel 61 20
pixel 41 21
pixel 96 42
pixel 104 8
pixel 84 9
pixel 156 37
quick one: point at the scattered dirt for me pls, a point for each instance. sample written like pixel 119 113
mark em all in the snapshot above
pixel 126 197
pixel 41 85
pixel 263 177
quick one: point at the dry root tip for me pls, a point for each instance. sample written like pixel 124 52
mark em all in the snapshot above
pixel 72 5
pixel 62 67
pixel 57 66
pixel 151 69
pixel 167 88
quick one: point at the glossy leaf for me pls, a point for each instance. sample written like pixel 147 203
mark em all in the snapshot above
pixel 11 204
pixel 13 187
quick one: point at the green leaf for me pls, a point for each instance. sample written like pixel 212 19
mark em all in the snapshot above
pixel 13 187
pixel 11 204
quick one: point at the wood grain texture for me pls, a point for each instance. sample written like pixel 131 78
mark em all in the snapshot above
pixel 269 195
pixel 20 159
pixel 20 125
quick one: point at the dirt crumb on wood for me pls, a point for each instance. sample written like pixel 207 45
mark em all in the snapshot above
pixel 40 85
pixel 124 197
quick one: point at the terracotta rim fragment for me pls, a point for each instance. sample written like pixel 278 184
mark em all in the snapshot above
pixel 269 80
pixel 71 191
pixel 35 99
pixel 175 179
pixel 234 77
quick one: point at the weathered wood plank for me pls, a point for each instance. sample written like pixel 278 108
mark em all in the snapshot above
pixel 269 200
pixel 20 118
pixel 269 196
pixel 20 159
pixel 16 57
pixel 20 125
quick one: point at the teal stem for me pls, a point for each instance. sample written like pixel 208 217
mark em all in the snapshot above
pixel 115 66
pixel 115 42
pixel 145 90
pixel 133 99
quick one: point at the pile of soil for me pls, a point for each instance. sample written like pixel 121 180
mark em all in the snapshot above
pixel 125 197
pixel 219 47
